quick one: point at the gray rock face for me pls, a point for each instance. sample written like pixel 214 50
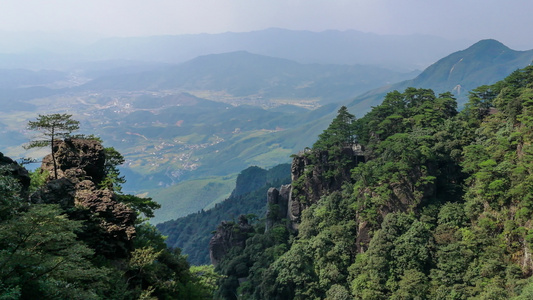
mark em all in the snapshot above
pixel 227 236
pixel 277 204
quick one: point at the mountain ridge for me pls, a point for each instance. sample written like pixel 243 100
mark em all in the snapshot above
pixel 330 46
pixel 484 62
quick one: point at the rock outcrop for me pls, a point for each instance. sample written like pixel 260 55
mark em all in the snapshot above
pixel 76 158
pixel 311 175
pixel 227 236
pixel 277 205
pixel 18 172
pixel 109 224
pixel 113 222
pixel 311 179
pixel 61 191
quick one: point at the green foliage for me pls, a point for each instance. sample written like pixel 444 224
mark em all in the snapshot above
pixel 11 200
pixel 207 277
pixel 340 132
pixel 113 180
pixel 39 255
pixel 141 205
pixel 38 179
pixel 53 126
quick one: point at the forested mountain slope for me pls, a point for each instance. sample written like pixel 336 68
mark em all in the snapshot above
pixel 439 208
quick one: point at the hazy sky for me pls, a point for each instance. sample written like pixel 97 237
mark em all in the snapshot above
pixel 508 21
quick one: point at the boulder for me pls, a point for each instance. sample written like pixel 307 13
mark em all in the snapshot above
pixel 80 157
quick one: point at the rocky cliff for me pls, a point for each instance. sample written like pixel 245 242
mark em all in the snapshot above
pixel 109 224
pixel 227 236
pixel 315 173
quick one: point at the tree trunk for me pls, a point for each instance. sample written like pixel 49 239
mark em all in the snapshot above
pixel 53 155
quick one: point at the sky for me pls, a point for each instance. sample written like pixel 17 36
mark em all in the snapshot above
pixel 508 21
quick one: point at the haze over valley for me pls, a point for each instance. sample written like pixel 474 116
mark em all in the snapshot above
pixel 199 122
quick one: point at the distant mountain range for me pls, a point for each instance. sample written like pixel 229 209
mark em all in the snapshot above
pixel 328 47
pixel 403 53
pixel 243 74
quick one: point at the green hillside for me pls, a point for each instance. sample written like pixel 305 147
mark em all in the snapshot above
pixel 190 196
pixel 440 208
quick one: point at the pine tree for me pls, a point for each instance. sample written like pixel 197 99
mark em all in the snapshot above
pixel 340 133
pixel 52 127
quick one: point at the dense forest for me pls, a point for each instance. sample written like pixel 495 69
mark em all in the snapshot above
pixel 439 207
